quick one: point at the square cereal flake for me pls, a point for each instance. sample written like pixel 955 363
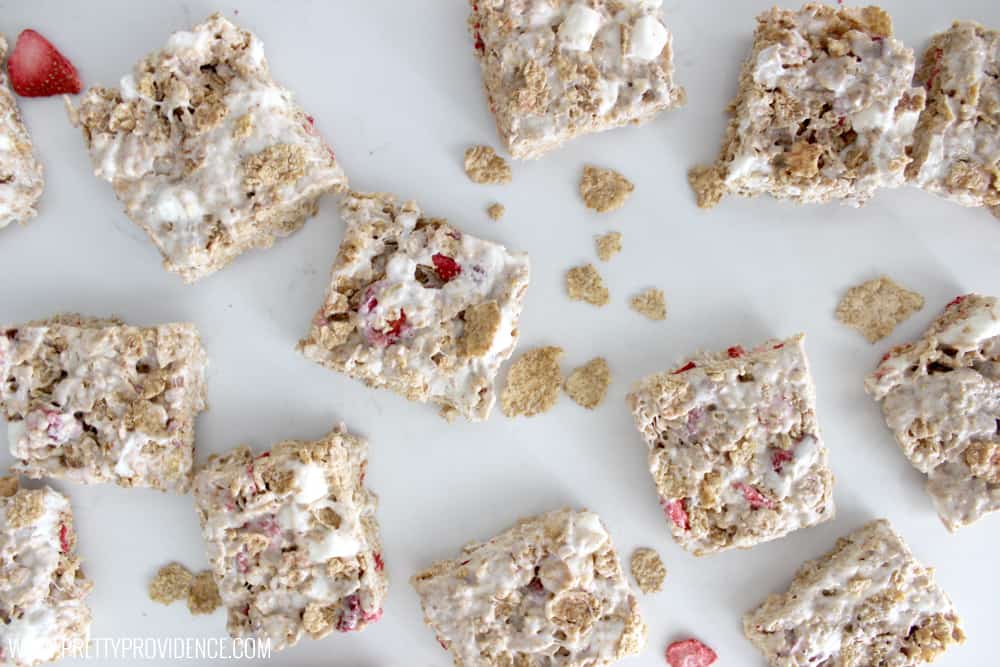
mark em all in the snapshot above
pixel 554 70
pixel 941 399
pixel 96 400
pixel 21 180
pixel 866 602
pixel 292 538
pixel 549 591
pixel 734 447
pixel 418 307
pixel 208 154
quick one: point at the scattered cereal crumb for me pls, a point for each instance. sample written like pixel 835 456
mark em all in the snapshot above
pixel 875 308
pixel 483 165
pixel 8 486
pixel 584 283
pixel 650 303
pixel 604 189
pixel 609 245
pixel 496 211
pixel 648 570
pixel 690 653
pixel 203 596
pixel 588 384
pixel 708 185
pixel 481 324
pixel 532 383
pixel 171 583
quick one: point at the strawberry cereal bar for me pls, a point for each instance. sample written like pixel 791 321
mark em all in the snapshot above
pixel 95 400
pixel 418 307
pixel 209 155
pixel 42 587
pixel 549 591
pixel 556 70
pixel 21 179
pixel 941 399
pixel 734 447
pixel 825 110
pixel 867 602
pixel 957 150
pixel 292 538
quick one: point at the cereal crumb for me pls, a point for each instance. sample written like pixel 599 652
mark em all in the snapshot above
pixel 533 383
pixel 203 596
pixel 604 190
pixel 8 486
pixel 26 508
pixel 708 185
pixel 648 570
pixel 875 308
pixel 274 166
pixel 584 283
pixel 588 384
pixel 609 245
pixel 483 165
pixel 650 303
pixel 171 583
pixel 481 324
pixel 496 211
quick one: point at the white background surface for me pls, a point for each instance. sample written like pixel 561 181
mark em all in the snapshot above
pixel 394 87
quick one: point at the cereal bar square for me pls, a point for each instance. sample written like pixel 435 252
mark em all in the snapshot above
pixel 734 447
pixel 418 307
pixel 21 179
pixel 208 154
pixel 548 591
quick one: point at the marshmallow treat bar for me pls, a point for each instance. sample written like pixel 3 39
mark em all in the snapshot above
pixel 941 399
pixel 209 155
pixel 957 150
pixel 734 447
pixel 418 307
pixel 95 400
pixel 292 538
pixel 549 591
pixel 554 70
pixel 42 587
pixel 21 179
pixel 867 602
pixel 824 111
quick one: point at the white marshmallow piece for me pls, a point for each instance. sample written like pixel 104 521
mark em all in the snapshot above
pixel 647 39
pixel 578 29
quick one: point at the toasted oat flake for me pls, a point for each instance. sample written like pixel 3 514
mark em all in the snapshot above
pixel 604 189
pixel 532 383
pixel 203 596
pixel 584 283
pixel 484 166
pixel 588 384
pixel 171 583
pixel 496 211
pixel 650 303
pixel 482 322
pixel 608 245
pixel 875 308
pixel 648 570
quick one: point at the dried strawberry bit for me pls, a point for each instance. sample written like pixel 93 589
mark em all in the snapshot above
pixel 536 585
pixel 63 538
pixel 676 512
pixel 442 643
pixel 480 45
pixel 780 457
pixel 373 617
pixel 735 352
pixel 778 346
pixel 957 300
pixel 379 563
pixel 262 456
pixel 242 562
pixel 350 614
pixel 753 496
pixel 686 367
pixel 396 329
pixel 690 653
pixel 885 357
pixel 446 267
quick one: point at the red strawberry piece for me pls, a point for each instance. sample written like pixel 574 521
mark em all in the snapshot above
pixel 63 538
pixel 686 367
pixel 442 643
pixel 536 585
pixel 957 300
pixel 735 352
pixel 690 653
pixel 379 563
pixel 778 346
pixel 756 499
pixel 350 615
pixel 373 617
pixel 780 457
pixel 675 511
pixel 446 267
pixel 37 69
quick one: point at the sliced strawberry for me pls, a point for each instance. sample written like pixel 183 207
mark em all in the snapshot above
pixel 735 352
pixel 675 511
pixel 63 539
pixel 756 499
pixel 686 367
pixel 446 267
pixel 690 653
pixel 37 69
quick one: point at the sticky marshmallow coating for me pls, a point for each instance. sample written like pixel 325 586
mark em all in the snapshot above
pixel 42 587
pixel 399 310
pixel 209 155
pixel 95 400
pixel 548 591
pixel 941 399
pixel 735 450
pixel 825 109
pixel 957 150
pixel 21 179
pixel 866 602
pixel 556 70
pixel 292 538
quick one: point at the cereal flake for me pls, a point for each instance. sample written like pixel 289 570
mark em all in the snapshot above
pixel 171 583
pixel 584 283
pixel 648 570
pixel 608 245
pixel 650 304
pixel 533 383
pixel 875 308
pixel 203 596
pixel 588 384
pixel 276 165
pixel 604 190
pixel 482 322
pixel 484 166
pixel 496 211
